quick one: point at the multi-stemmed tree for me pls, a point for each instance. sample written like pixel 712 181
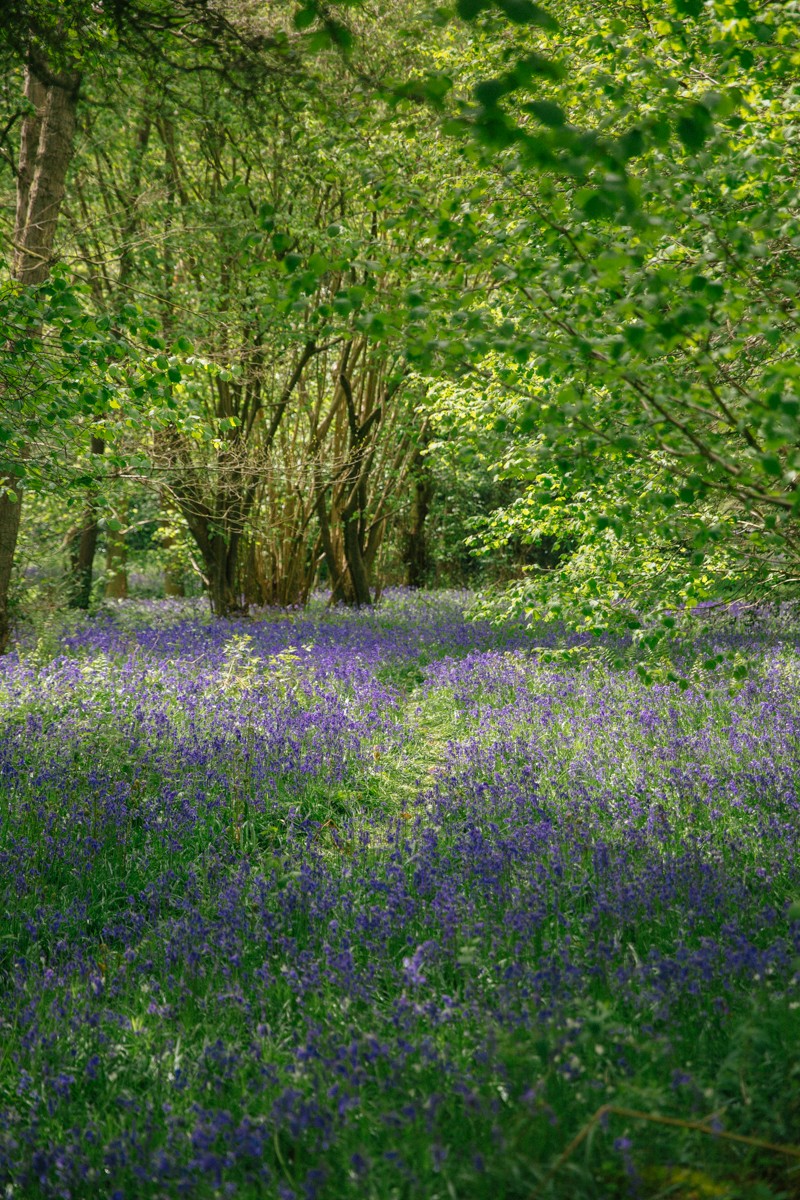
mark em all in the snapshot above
pixel 581 225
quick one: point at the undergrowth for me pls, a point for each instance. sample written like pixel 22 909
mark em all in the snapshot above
pixel 382 905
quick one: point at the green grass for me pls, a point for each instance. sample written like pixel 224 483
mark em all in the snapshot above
pixel 146 950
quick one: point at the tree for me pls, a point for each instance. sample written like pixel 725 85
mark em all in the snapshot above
pixel 56 46
pixel 647 256
pixel 277 247
pixel 51 91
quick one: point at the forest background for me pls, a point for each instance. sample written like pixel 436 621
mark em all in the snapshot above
pixel 302 295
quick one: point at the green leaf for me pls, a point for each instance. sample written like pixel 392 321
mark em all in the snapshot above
pixel 430 89
pixel 524 12
pixel 469 9
pixel 631 143
pixel 489 91
pixel 695 126
pixel 595 203
pixel 318 264
pixel 547 112
pixel 340 35
pixel 305 17
pixel 320 39
pixel 534 64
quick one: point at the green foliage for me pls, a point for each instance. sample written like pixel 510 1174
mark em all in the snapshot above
pixel 644 249
pixel 68 374
pixel 599 259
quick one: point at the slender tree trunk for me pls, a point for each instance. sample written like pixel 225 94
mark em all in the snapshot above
pixel 355 588
pixel 335 569
pixel 116 567
pixel 173 580
pixel 9 529
pixel 82 544
pixel 417 558
pixel 43 172
pixel 46 145
pixel 222 566
pixel 173 576
pixel 253 584
pixel 356 566
pixel 117 562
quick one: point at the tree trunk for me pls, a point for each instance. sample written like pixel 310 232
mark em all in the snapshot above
pixel 173 575
pixel 82 544
pixel 217 538
pixel 222 567
pixel 9 528
pixel 355 587
pixel 46 144
pixel 117 562
pixel 173 580
pixel 417 558
pixel 116 567
pixel 356 567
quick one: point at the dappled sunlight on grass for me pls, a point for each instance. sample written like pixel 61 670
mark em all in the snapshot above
pixel 337 904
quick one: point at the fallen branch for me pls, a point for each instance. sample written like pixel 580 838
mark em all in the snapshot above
pixel 655 1118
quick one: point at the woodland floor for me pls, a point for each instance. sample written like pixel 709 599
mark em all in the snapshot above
pixel 338 904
